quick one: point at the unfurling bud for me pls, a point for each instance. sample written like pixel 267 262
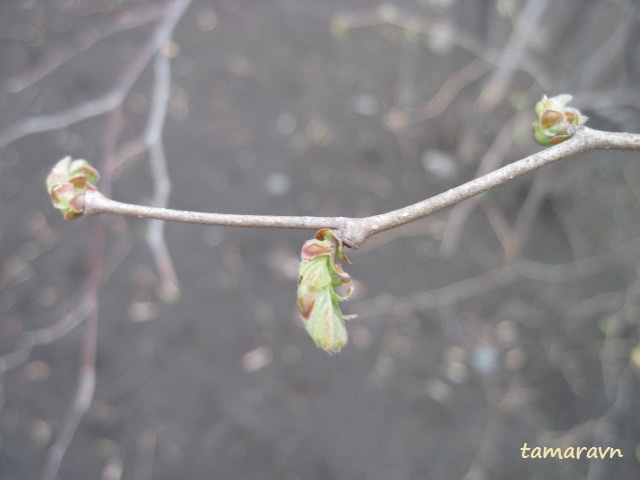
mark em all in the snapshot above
pixel 67 182
pixel 556 122
pixel 318 301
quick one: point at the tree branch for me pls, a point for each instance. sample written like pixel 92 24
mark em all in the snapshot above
pixel 355 231
pixel 109 100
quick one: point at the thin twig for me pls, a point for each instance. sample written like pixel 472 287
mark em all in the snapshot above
pixel 403 117
pixel 600 60
pixel 87 372
pixel 45 335
pixel 540 188
pixel 355 231
pixel 438 297
pixel 512 54
pixel 76 315
pixel 493 157
pixel 106 102
pixel 89 36
pixel 485 282
pixel 81 401
pixel 503 230
pixel 169 290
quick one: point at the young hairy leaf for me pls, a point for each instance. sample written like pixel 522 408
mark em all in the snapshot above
pixel 318 302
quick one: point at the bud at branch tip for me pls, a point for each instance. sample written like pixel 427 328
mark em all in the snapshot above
pixel 555 121
pixel 67 183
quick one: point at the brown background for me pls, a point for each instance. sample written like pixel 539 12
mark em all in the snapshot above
pixel 271 114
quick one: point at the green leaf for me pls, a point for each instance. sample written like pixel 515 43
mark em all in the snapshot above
pixel 325 325
pixel 318 301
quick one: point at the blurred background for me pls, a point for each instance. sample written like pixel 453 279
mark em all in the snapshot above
pixel 510 318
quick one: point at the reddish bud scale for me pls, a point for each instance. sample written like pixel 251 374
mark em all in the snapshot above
pixel 67 183
pixel 555 121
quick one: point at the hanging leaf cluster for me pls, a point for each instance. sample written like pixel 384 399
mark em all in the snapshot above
pixel 318 301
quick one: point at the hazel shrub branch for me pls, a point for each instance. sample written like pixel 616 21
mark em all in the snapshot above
pixel 355 231
pixel 71 185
